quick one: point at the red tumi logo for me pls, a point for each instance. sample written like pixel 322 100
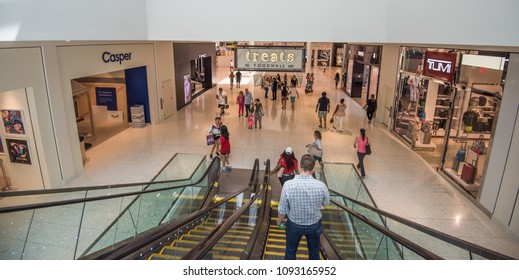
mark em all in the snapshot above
pixel 440 65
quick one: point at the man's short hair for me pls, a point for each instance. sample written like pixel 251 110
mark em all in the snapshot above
pixel 217 118
pixel 307 162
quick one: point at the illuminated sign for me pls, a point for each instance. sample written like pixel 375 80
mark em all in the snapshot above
pixel 269 59
pixel 440 65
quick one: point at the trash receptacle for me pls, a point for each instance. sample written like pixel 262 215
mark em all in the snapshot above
pixel 82 148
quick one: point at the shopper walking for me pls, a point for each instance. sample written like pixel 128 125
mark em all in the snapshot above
pixel 225 149
pixel 221 96
pixel 293 81
pixel 372 107
pixel 284 96
pixel 339 113
pixel 238 79
pixel 240 100
pixel 322 108
pixel 214 130
pixel 301 200
pixel 266 85
pixel 316 148
pixel 286 167
pixel 337 78
pixel 360 144
pixel 231 79
pixel 259 112
pixel 275 84
pixel 293 94
pixel 248 101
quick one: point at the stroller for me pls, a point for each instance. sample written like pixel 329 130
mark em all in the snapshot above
pixel 309 87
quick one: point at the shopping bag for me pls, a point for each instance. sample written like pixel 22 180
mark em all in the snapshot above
pixel 332 119
pixel 368 149
pixel 210 139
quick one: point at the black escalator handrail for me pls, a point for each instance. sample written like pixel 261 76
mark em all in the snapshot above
pixel 253 181
pixel 261 228
pixel 128 249
pixel 422 252
pixel 471 247
pixel 99 187
pixel 111 196
pixel 207 244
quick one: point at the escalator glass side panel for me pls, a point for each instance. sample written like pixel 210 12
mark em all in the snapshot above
pixel 353 239
pixel 344 179
pixel 432 243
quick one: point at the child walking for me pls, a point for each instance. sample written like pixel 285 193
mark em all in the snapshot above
pixel 250 120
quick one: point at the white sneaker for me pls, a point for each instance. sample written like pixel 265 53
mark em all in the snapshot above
pixel 228 167
pixel 223 169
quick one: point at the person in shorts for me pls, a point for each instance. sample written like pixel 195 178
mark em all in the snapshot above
pixel 215 131
pixel 221 96
pixel 293 94
pixel 322 109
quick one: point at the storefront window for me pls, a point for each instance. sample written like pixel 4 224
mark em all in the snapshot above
pixel 450 122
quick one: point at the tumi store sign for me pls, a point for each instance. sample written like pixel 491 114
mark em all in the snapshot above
pixel 440 65
pixel 269 59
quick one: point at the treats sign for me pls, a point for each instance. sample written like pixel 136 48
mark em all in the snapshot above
pixel 269 59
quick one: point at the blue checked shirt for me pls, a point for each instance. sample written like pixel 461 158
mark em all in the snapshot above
pixel 302 198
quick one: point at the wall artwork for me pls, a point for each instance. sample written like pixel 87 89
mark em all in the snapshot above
pixel 18 150
pixel 13 122
pixel 2 151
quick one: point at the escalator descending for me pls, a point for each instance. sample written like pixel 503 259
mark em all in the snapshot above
pixel 175 240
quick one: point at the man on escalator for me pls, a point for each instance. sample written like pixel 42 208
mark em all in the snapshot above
pixel 301 201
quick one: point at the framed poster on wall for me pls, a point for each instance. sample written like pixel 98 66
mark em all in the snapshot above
pixel 13 122
pixel 2 151
pixel 187 88
pixel 18 150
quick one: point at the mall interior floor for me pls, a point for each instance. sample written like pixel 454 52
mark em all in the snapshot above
pixel 400 181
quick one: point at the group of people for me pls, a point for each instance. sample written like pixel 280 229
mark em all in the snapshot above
pixel 237 76
pixel 275 83
pixel 302 195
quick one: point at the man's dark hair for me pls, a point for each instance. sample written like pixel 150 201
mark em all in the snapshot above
pixel 307 162
pixel 217 118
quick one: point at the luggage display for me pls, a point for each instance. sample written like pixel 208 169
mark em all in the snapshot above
pixel 468 173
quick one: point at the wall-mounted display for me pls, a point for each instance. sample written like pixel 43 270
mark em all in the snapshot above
pixel 18 150
pixel 1 146
pixel 13 121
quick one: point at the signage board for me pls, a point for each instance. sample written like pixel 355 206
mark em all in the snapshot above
pixel 440 65
pixel 106 97
pixel 286 59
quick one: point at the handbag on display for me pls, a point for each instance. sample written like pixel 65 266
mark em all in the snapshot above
pixel 479 145
pixel 460 154
pixel 482 101
pixel 210 139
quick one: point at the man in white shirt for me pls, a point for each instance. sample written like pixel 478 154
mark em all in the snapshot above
pixel 221 96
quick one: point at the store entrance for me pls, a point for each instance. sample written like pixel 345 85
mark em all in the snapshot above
pixel 102 104
pixel 201 75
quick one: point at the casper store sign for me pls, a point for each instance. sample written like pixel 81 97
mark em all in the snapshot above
pixel 108 57
pixel 269 59
pixel 440 65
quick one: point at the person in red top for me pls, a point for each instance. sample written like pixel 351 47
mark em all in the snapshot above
pixel 287 166
pixel 225 149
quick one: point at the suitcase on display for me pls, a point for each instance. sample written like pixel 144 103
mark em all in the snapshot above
pixel 468 173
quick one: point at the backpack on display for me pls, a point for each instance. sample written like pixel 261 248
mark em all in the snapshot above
pixel 482 101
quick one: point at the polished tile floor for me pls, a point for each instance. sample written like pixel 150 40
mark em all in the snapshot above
pixel 400 181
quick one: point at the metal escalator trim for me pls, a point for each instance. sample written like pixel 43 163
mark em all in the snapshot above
pixel 465 245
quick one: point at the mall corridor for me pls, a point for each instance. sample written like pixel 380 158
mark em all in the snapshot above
pixel 399 180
